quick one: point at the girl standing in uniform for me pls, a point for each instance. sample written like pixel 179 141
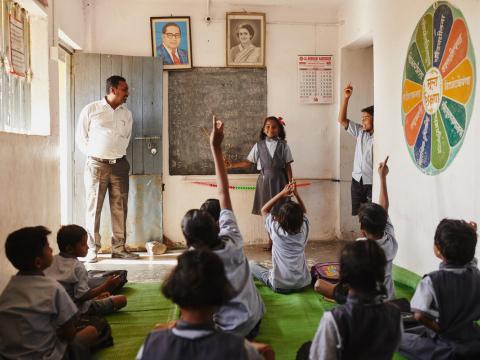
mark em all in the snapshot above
pixel 273 158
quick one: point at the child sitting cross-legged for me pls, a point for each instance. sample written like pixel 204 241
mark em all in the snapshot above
pixel 447 301
pixel 199 286
pixel 364 328
pixel 37 317
pixel 72 274
pixel 376 226
pixel 289 233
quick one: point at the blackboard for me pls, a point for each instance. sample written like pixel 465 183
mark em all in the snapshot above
pixel 237 96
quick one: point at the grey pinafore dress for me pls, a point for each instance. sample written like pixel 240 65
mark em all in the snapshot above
pixel 273 176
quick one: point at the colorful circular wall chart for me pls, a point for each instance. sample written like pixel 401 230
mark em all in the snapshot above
pixel 438 88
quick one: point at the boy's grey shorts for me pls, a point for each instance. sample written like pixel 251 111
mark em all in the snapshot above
pixel 101 307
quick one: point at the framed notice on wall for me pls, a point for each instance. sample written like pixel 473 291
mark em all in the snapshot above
pixel 315 79
pixel 17 47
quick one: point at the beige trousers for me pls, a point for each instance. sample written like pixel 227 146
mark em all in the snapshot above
pixel 99 178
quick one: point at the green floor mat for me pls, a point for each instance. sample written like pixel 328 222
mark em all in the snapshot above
pixel 146 307
pixel 290 320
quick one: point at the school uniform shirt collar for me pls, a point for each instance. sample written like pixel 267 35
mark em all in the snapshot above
pixel 275 139
pixel 65 255
pixel 364 299
pixel 30 273
pixel 458 269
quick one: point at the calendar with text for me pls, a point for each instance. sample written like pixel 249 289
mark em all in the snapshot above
pixel 315 79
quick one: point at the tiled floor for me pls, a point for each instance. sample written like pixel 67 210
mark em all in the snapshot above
pixel 155 268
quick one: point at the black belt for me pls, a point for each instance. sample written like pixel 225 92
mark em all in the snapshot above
pixel 107 161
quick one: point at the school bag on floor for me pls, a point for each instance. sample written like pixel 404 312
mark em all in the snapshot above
pixel 98 277
pixel 328 271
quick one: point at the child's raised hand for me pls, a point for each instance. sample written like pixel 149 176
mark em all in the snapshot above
pixel 383 168
pixel 216 136
pixel 287 190
pixel 347 92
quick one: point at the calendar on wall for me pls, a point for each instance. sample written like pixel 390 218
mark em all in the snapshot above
pixel 315 79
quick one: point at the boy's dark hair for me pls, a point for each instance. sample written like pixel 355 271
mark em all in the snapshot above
pixel 456 240
pixel 212 206
pixel 199 229
pixel 368 110
pixel 24 245
pixel 198 281
pixel 113 81
pixel 290 217
pixel 281 130
pixel 373 219
pixel 362 266
pixel 70 235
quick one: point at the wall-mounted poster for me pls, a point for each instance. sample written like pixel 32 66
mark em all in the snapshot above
pixel 171 40
pixel 245 39
pixel 315 79
pixel 438 88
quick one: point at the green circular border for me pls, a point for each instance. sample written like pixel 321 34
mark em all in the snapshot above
pixel 457 14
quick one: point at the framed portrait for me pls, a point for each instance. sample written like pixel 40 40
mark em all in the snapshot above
pixel 245 39
pixel 171 40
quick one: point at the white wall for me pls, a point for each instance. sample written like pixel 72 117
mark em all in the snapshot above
pixel 29 178
pixel 119 28
pixel 356 68
pixel 417 201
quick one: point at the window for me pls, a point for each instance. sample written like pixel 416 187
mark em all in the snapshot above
pixel 15 70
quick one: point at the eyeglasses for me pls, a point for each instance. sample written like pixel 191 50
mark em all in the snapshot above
pixel 171 36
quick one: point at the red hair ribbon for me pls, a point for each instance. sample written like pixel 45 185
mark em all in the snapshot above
pixel 281 121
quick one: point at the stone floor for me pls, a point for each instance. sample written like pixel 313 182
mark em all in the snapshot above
pixel 155 268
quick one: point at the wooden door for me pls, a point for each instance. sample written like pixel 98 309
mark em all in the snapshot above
pixel 144 76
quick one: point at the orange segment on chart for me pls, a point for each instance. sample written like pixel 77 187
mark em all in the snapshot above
pixel 456 48
pixel 458 85
pixel 413 121
pixel 411 96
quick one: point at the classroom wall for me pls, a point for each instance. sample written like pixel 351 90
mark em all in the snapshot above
pixel 311 129
pixel 29 178
pixel 356 68
pixel 417 201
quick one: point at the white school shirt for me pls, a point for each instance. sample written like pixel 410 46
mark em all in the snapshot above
pixel 246 309
pixel 290 270
pixel 254 157
pixel 103 132
pixel 363 161
pixel 389 245
pixel 73 276
pixel 32 308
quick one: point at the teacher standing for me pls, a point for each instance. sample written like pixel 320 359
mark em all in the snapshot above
pixel 362 174
pixel 103 133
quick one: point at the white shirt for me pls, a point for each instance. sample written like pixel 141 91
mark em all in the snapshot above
pixel 32 309
pixel 290 270
pixel 363 161
pixel 244 311
pixel 254 157
pixel 73 276
pixel 104 132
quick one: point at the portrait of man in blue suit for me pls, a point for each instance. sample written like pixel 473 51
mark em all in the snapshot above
pixel 169 50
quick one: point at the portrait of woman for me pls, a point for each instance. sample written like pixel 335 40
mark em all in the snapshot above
pixel 245 51
pixel 245 39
